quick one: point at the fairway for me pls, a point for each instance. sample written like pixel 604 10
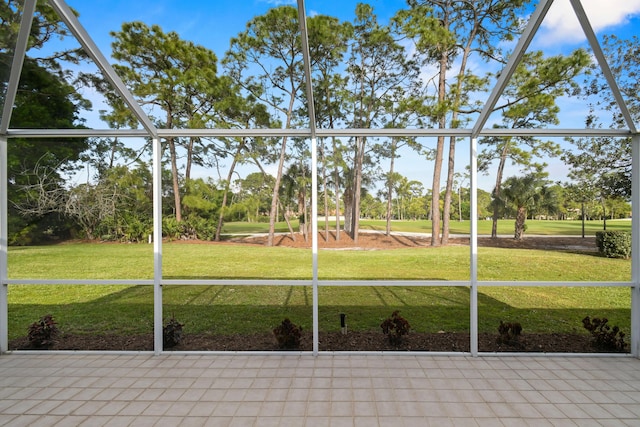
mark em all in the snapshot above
pixel 505 227
pixel 241 309
pixel 210 261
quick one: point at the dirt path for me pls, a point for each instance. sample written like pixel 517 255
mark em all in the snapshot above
pixel 377 241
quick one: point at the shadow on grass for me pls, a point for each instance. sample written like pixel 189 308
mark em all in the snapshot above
pixel 219 310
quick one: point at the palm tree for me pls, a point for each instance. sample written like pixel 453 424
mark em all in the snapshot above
pixel 524 193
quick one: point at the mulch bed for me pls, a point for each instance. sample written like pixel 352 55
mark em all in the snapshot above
pixel 328 341
pixel 378 241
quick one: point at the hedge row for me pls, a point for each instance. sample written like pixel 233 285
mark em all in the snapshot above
pixel 614 244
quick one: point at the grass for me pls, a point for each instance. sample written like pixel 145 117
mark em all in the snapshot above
pixel 81 261
pixel 183 261
pixel 505 227
pixel 247 309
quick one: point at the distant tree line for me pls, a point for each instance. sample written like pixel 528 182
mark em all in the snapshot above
pixel 367 74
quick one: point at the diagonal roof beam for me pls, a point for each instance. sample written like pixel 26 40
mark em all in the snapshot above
pixel 18 60
pixel 515 58
pixel 602 61
pixel 306 56
pixel 101 61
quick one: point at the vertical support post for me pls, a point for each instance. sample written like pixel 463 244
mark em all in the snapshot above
pixel 9 100
pixel 314 239
pixel 304 38
pixel 635 247
pixel 157 246
pixel 473 245
pixel 4 240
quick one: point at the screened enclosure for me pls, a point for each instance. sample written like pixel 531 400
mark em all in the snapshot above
pixel 307 277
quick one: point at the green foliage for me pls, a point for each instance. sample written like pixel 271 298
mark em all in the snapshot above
pixel 170 228
pixel 509 333
pixel 43 333
pixel 200 198
pixel 44 100
pixel 614 244
pixel 198 228
pixel 288 335
pixel 136 230
pixel 23 237
pixel 395 327
pixel 524 193
pixel 172 333
pixel 605 337
pixel 193 227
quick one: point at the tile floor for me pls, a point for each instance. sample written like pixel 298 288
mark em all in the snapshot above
pixel 328 390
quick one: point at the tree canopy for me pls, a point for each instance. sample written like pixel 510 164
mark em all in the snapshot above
pixel 414 70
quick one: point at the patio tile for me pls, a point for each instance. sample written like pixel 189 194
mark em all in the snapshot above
pixel 327 390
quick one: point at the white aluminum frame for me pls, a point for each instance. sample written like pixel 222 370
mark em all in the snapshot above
pixel 150 131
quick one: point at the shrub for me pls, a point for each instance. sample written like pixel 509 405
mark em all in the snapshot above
pixel 199 228
pixel 395 327
pixel 136 230
pixel 604 337
pixel 43 333
pixel 170 228
pixel 172 333
pixel 288 335
pixel 509 333
pixel 614 244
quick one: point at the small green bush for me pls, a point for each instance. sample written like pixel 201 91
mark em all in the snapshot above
pixel 170 228
pixel 509 333
pixel 614 244
pixel 604 336
pixel 43 333
pixel 395 327
pixel 172 333
pixel 288 335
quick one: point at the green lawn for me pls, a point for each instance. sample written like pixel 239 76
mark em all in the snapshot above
pixel 244 309
pixel 506 227
pixel 196 261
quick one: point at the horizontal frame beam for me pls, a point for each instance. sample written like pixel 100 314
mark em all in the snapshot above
pixel 309 282
pixel 307 133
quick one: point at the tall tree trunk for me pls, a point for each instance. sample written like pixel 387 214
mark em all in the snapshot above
pixel 325 195
pixel 224 196
pixel 288 221
pixel 276 189
pixel 521 217
pixel 348 208
pixel 176 182
pixel 187 171
pixel 452 141
pixel 112 156
pixel 174 170
pixel 302 207
pixel 357 188
pixel 437 167
pixel 582 211
pixel 498 188
pixel 446 210
pixel 336 178
pixel 390 185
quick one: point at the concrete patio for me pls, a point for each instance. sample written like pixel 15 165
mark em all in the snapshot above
pixel 329 390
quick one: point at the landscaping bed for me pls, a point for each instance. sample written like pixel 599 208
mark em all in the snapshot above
pixel 328 341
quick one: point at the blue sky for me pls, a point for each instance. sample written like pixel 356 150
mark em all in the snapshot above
pixel 213 22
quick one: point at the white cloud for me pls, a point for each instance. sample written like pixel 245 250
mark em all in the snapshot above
pixel 280 2
pixel 561 23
